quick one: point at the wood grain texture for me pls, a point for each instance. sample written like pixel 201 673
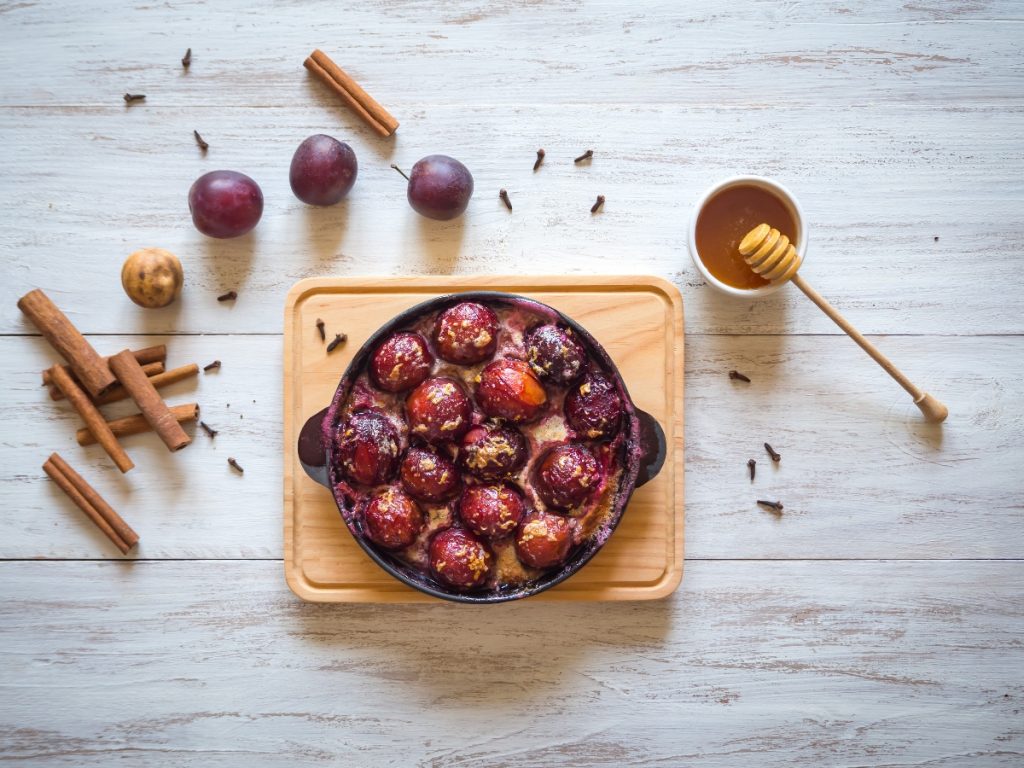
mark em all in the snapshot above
pixel 899 127
pixel 877 183
pixel 775 664
pixel 639 322
pixel 861 474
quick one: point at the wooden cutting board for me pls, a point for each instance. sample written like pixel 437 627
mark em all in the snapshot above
pixel 638 320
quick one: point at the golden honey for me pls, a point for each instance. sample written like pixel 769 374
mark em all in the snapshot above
pixel 724 221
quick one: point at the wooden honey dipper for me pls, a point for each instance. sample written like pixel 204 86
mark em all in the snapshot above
pixel 771 255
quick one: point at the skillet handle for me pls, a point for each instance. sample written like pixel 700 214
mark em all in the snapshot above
pixel 312 455
pixel 652 447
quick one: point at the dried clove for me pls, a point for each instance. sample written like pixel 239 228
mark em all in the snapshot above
pixel 597 206
pixel 187 58
pixel 540 159
pixel 935 239
pixel 200 141
pixel 208 429
pixel 339 339
pixel 774 506
pixel 776 456
pixel 229 296
pixel 585 156
pixel 503 194
pixel 212 366
pixel 752 464
pixel 320 327
pixel 130 97
pixel 737 376
pixel 235 465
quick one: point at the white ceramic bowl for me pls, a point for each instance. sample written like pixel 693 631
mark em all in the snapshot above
pixel 787 199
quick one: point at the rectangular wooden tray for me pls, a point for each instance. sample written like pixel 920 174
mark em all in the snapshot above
pixel 638 320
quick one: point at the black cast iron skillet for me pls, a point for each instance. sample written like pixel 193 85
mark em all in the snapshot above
pixel 643 451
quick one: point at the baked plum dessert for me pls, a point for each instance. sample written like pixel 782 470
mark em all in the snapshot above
pixel 428 475
pixel 543 539
pixel 491 511
pixel 392 519
pixel 554 353
pixel 466 334
pixel 482 445
pixel 401 362
pixel 509 389
pixel 438 410
pixel 460 559
pixel 593 407
pixel 492 451
pixel 367 447
pixel 566 476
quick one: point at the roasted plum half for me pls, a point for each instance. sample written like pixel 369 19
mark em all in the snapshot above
pixel 509 389
pixel 466 334
pixel 401 362
pixel 543 540
pixel 428 475
pixel 593 407
pixel 566 476
pixel 367 447
pixel 392 519
pixel 491 511
pixel 554 354
pixel 438 410
pixel 493 451
pixel 460 559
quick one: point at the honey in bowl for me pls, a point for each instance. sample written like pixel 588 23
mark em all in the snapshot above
pixel 725 219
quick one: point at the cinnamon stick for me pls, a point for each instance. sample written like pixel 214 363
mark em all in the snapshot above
pixel 150 369
pixel 358 100
pixel 145 356
pixel 91 369
pixel 91 503
pixel 118 393
pixel 153 407
pixel 137 424
pixel 92 417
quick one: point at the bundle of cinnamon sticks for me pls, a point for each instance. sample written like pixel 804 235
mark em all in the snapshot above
pixel 88 381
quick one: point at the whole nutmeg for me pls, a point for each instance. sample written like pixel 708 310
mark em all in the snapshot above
pixel 152 277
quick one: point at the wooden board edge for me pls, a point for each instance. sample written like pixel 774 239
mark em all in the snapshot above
pixel 386 284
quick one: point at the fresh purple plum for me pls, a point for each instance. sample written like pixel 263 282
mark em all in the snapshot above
pixel 439 187
pixel 323 170
pixel 225 204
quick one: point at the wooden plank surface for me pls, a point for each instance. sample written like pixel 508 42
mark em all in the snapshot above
pixel 876 623
pixel 861 476
pixel 763 663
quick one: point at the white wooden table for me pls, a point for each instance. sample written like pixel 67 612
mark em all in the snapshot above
pixel 878 622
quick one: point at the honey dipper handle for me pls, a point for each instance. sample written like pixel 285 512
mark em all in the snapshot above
pixel 933 410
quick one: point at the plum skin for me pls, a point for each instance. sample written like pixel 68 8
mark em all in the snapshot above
pixel 438 410
pixel 225 204
pixel 492 451
pixel 429 476
pixel 566 476
pixel 367 447
pixel 402 361
pixel 555 354
pixel 543 540
pixel 459 559
pixel 466 333
pixel 593 407
pixel 509 389
pixel 392 519
pixel 323 170
pixel 491 511
pixel 439 187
